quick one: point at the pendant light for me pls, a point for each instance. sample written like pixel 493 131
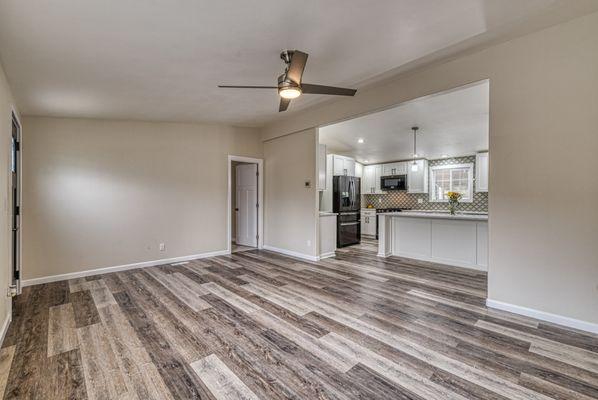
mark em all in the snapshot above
pixel 414 166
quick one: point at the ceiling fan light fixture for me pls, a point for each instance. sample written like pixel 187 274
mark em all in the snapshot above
pixel 289 92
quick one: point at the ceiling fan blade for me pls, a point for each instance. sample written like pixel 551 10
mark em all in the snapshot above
pixel 284 104
pixel 247 87
pixel 298 60
pixel 321 89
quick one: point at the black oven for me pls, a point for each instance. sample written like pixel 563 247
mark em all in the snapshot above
pixel 393 182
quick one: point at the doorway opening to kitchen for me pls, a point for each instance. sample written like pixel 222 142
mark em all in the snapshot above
pixel 245 211
pixel 427 156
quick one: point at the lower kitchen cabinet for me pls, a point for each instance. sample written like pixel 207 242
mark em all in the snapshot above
pixel 368 222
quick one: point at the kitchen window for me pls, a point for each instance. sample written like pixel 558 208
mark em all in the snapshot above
pixel 451 178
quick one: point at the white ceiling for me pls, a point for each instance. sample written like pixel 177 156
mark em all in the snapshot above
pixel 162 60
pixel 452 123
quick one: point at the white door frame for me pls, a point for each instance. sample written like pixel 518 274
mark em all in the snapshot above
pixel 260 198
pixel 17 117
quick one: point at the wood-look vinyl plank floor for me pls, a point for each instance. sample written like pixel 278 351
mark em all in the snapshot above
pixel 260 325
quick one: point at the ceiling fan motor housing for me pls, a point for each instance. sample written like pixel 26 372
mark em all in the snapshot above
pixel 284 82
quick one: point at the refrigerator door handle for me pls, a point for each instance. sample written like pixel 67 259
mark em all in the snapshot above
pixel 351 194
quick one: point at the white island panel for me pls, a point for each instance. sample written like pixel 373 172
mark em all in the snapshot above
pixel 482 256
pixel 454 242
pixel 459 240
pixel 412 238
pixel 327 235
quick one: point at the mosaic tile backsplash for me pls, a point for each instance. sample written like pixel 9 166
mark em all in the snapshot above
pixel 409 200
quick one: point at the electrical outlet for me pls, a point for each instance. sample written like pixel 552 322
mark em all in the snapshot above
pixel 420 200
pixel 380 201
pixel 162 247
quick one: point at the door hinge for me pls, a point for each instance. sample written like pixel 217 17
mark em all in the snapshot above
pixel 257 174
pixel 257 237
pixel 17 274
pixel 257 205
pixel 17 146
pixel 17 210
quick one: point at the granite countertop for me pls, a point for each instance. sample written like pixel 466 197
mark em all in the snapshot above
pixel 439 215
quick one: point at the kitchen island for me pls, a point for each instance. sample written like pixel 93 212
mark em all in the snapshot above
pixel 460 240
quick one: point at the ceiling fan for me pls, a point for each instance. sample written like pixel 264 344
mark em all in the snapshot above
pixel 290 85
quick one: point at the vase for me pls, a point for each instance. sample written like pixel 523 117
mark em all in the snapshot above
pixel 453 207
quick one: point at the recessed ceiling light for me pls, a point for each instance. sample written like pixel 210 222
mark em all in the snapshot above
pixel 366 161
pixel 415 155
pixel 444 155
pixel 360 140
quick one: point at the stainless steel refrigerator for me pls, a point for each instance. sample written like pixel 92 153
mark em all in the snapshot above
pixel 346 201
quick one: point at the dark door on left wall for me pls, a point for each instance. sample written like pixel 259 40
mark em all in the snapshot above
pixel 15 205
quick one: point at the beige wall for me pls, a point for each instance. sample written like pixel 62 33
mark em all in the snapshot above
pixel 106 193
pixel 6 108
pixel 543 142
pixel 290 207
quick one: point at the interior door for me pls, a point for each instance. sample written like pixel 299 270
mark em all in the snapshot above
pixel 15 207
pixel 247 205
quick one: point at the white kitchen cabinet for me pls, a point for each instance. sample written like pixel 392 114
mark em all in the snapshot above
pixel 377 175
pixel 358 170
pixel 368 222
pixel 327 235
pixel 417 181
pixel 481 172
pixel 337 165
pixel 326 195
pixel 370 183
pixel 397 168
pixel 322 167
pixel 343 166
pixel 349 166
pixel 368 179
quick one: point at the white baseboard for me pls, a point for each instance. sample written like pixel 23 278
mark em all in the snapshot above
pixel 291 253
pixel 5 325
pixel 445 261
pixel 106 270
pixel 327 255
pixel 544 316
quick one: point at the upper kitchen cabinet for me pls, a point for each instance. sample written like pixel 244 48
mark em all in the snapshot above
pixel 417 181
pixel 358 170
pixel 481 172
pixel 370 183
pixel 343 166
pixel 397 168
pixel 367 180
pixel 322 167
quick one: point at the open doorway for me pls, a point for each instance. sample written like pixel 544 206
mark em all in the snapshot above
pixel 425 162
pixel 245 198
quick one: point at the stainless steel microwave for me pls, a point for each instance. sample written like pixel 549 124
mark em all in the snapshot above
pixel 393 182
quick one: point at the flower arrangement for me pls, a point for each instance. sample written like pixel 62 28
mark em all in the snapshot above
pixel 453 199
